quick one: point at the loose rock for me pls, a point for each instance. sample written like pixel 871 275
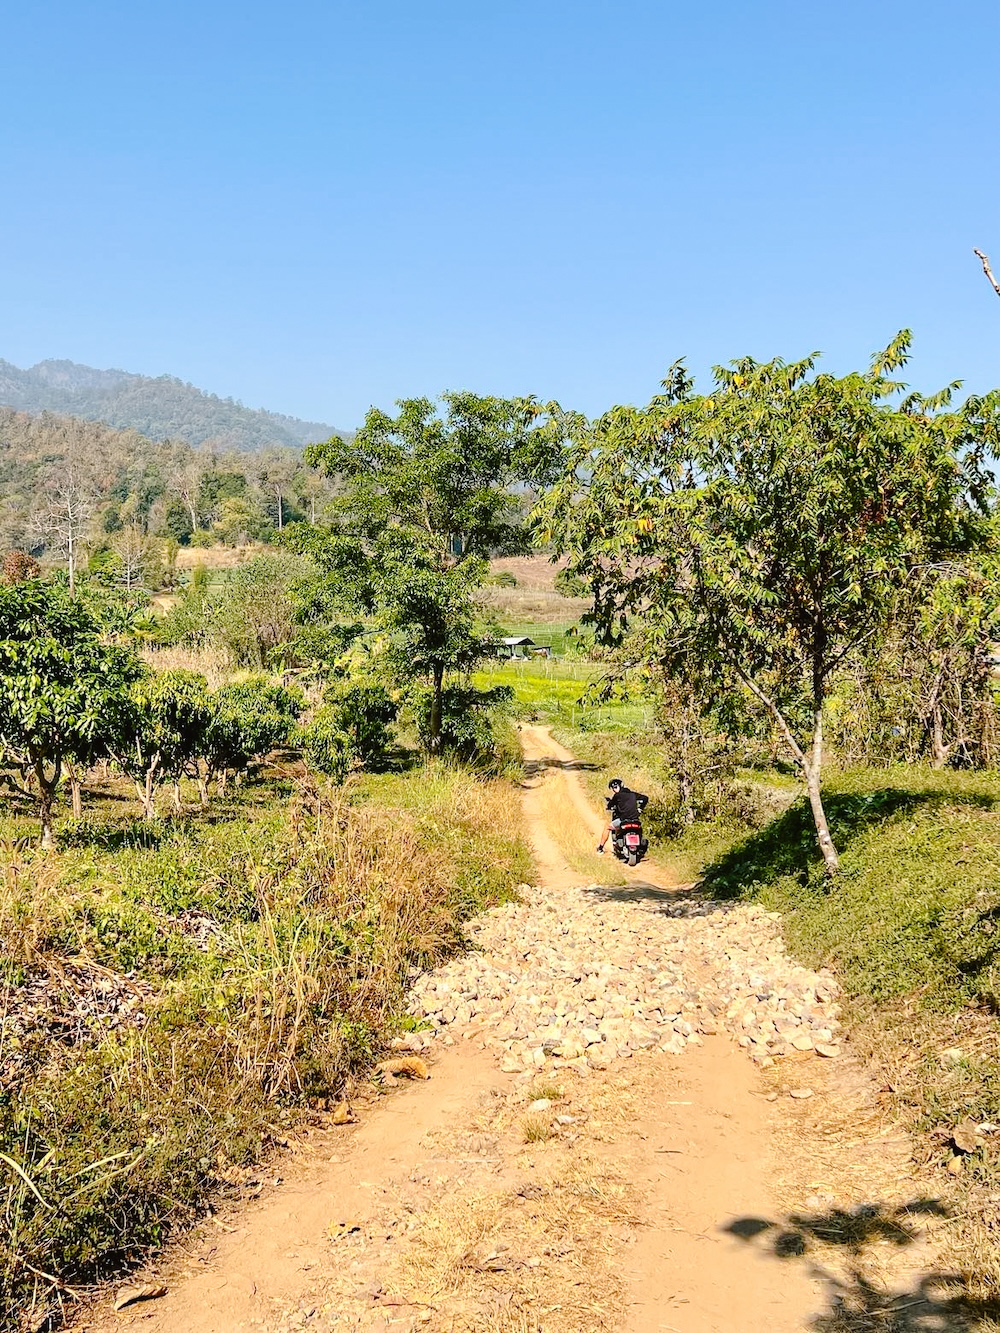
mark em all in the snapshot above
pixel 574 979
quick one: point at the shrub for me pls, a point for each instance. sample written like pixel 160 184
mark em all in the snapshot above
pixel 325 746
pixel 571 585
pixel 470 719
pixel 365 713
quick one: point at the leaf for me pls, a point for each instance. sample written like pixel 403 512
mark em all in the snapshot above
pixel 964 1136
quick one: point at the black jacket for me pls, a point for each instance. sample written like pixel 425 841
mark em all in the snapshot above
pixel 627 805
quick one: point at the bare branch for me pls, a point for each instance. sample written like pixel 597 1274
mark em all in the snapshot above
pixel 984 260
pixel 777 715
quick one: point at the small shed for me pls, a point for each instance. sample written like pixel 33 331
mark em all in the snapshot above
pixel 514 646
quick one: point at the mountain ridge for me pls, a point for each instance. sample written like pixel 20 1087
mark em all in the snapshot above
pixel 161 407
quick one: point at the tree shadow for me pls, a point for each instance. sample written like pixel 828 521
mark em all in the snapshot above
pixel 641 891
pixel 532 767
pixel 938 1302
pixel 137 836
pixel 787 845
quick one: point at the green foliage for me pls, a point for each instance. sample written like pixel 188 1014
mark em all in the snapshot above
pixel 240 520
pixel 60 686
pixel 247 720
pixel 469 718
pixel 325 746
pixel 162 729
pixel 177 522
pixel 570 584
pixel 256 617
pixel 427 499
pixel 764 531
pixel 448 478
pixel 364 712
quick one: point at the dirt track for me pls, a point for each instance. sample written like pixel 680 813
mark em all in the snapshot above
pixel 635 1200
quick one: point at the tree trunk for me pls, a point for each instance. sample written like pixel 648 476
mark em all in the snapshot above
pixel 435 720
pixel 46 798
pixel 939 750
pixel 146 791
pixel 810 765
pixel 177 796
pixel 203 778
pixel 45 816
pixel 76 793
pixel 831 860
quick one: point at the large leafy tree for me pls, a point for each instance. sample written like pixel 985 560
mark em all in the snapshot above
pixel 430 617
pixel 426 498
pixel 60 687
pixel 453 478
pixel 766 528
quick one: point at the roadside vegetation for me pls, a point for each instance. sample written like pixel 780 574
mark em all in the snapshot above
pixel 250 791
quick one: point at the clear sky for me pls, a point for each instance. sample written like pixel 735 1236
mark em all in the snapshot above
pixel 317 205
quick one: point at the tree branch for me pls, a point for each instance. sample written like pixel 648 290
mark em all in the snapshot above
pixel 984 260
pixel 778 716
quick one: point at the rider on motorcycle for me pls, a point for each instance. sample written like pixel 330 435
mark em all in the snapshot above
pixel 624 806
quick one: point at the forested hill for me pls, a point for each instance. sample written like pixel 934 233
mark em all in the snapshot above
pixel 160 408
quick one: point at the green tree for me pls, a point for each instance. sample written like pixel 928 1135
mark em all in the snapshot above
pixel 426 499
pixel 59 688
pixel 452 480
pixel 248 719
pixel 769 525
pixel 240 520
pixel 430 617
pixel 257 614
pixel 165 718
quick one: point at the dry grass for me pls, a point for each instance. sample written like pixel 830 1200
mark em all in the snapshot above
pixel 536 1127
pixel 314 916
pixel 536 573
pixel 211 663
pixel 217 557
pixel 533 606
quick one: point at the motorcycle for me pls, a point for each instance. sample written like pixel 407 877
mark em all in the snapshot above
pixel 628 844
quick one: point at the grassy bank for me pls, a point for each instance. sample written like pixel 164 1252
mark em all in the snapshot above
pixel 911 929
pixel 170 997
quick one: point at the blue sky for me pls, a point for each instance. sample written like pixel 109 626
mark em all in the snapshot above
pixel 317 206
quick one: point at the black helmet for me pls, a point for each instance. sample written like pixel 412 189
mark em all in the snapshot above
pixel 616 783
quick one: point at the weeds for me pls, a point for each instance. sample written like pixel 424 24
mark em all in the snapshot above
pixel 536 1128
pixel 264 954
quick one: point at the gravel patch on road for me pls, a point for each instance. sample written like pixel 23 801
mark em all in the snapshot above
pixel 573 978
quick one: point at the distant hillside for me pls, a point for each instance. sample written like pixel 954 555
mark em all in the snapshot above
pixel 161 408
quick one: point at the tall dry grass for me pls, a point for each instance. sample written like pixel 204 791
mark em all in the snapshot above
pixel 306 926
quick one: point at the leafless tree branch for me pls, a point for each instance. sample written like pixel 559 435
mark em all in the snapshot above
pixel 985 261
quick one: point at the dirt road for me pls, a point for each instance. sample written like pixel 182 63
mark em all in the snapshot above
pixel 622 1181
